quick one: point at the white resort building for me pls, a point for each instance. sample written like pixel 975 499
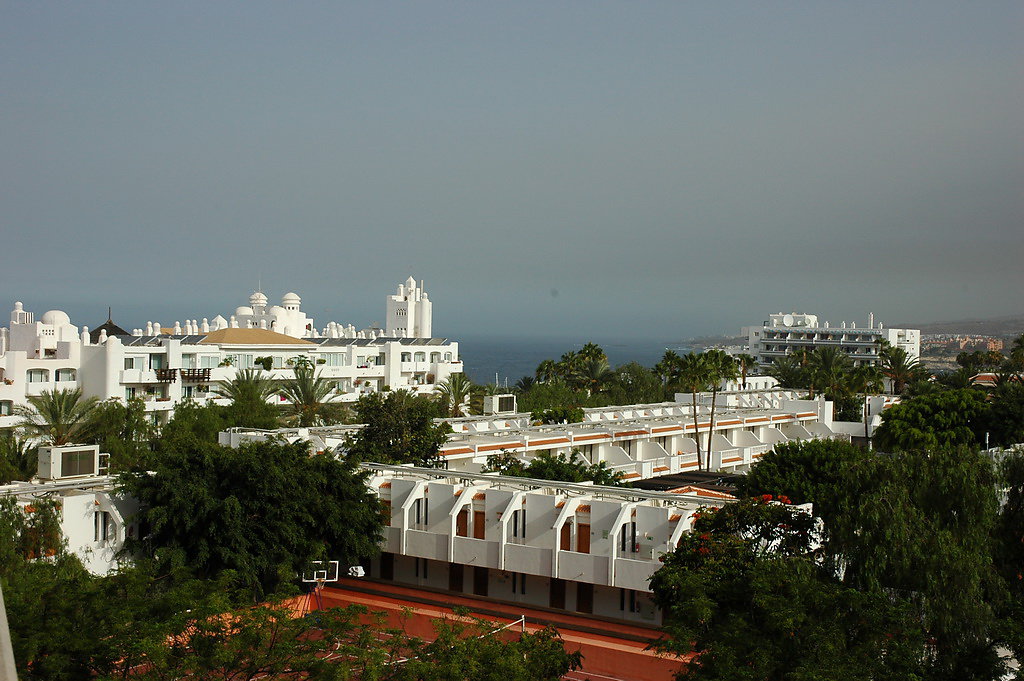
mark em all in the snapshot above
pixel 785 334
pixel 164 365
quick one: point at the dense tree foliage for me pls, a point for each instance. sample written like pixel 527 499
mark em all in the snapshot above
pixel 941 419
pixel 548 466
pixel 398 427
pixel 208 506
pixel 911 544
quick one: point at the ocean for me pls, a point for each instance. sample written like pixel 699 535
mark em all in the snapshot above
pixel 512 359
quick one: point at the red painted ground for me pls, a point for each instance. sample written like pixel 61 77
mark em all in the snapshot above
pixel 611 651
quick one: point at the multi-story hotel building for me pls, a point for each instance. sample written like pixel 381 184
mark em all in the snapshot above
pixel 786 334
pixel 164 365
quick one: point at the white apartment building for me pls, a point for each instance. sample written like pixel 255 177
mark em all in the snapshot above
pixel 785 334
pixel 640 441
pixel 164 365
pixel 582 548
pixel 94 520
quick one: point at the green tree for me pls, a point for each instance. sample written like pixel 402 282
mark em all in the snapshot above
pixel 249 391
pixel 18 461
pixel 308 398
pixel 57 417
pixel 593 375
pixel 746 364
pixel 558 466
pixel 557 415
pixel 122 430
pixel 208 506
pixel 743 598
pixel 900 368
pixel 398 427
pixel 944 419
pixel 454 393
pixel 866 380
pixel 633 383
pixel 549 395
pixel 788 372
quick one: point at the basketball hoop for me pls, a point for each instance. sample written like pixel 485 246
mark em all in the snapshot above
pixel 321 572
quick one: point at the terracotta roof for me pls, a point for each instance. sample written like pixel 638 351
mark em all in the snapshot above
pixel 252 337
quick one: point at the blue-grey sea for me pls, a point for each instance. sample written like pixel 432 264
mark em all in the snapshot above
pixel 510 359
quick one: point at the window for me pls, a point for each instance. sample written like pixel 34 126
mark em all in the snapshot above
pixel 5 407
pixel 406 356
pixel 102 528
pixel 628 601
pixel 77 462
pixel 104 464
pixel 65 375
pixel 188 391
pixel 627 446
pixel 627 538
pixel 435 357
pixel 129 362
pixel 188 361
pixel 129 394
pixel 518 583
pixel 519 524
pixel 37 376
pixel 208 362
pixel 336 359
pixel 447 356
pixel 421 567
pixel 157 362
pixel 420 357
pixel 421 511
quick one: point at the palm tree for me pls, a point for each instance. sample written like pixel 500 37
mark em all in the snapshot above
pixel 829 368
pixel 454 392
pixel 788 372
pixel 746 363
pixel 567 366
pixel 721 367
pixel 546 370
pixel 592 351
pixel 900 368
pixel 524 384
pixel 593 375
pixel 58 417
pixel 17 459
pixel 247 387
pixel 668 368
pixel 308 397
pixel 693 377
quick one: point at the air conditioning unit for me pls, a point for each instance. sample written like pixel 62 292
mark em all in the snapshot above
pixel 499 404
pixel 70 461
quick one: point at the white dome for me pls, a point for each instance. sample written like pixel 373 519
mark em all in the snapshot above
pixel 239 311
pixel 290 298
pixel 56 318
pixel 257 299
pixel 276 309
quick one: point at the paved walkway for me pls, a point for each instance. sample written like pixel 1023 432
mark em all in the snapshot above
pixel 612 651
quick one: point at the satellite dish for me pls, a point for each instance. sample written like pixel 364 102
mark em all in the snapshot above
pixel 787 320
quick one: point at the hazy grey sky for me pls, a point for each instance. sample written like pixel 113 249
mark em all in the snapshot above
pixel 648 169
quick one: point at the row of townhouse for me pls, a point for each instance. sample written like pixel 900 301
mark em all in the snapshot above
pixel 168 365
pixel 639 441
pixel 578 547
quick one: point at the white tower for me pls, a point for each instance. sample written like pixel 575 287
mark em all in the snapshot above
pixel 409 312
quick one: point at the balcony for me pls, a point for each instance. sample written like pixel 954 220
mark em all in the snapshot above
pixel 634 574
pixel 583 567
pixel 477 552
pixel 528 559
pixel 195 375
pixel 166 375
pixel 426 545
